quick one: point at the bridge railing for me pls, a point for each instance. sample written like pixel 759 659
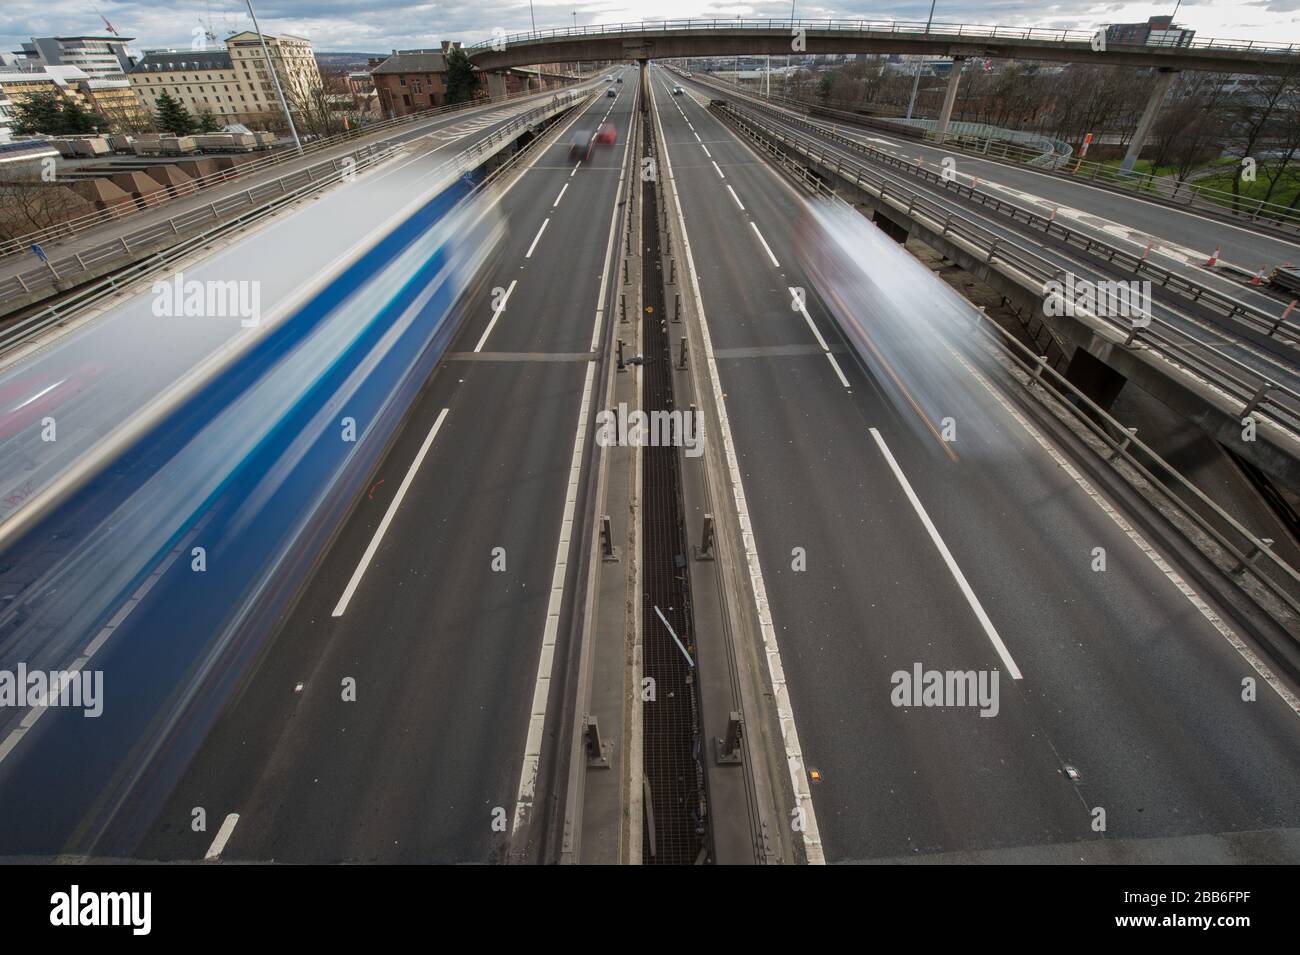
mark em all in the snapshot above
pixel 911 28
pixel 21 244
pixel 1166 188
pixel 79 301
pixel 1256 391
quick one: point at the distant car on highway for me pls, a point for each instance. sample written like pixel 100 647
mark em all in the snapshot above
pixel 678 91
pixel 611 92
pixel 620 79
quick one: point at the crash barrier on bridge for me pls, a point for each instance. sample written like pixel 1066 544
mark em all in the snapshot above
pixel 1245 552
pixel 1168 190
pixel 1237 389
pixel 1042 150
pixel 22 244
pixel 898 28
pixel 281 193
pixel 1249 320
pixel 953 322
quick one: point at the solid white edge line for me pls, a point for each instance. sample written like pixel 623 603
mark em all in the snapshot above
pixel 223 836
pixel 495 315
pixel 531 765
pixel 736 197
pixel 766 248
pixel 537 238
pixel 388 517
pixel 798 771
pixel 948 559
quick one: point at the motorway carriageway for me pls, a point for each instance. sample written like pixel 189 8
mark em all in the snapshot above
pixel 447 654
pixel 1185 236
pixel 119 360
pixel 969 556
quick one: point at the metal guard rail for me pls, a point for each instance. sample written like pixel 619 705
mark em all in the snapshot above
pixel 910 27
pixel 47 276
pixel 21 331
pixel 1121 441
pixel 1192 193
pixel 279 156
pixel 1220 302
pixel 1257 393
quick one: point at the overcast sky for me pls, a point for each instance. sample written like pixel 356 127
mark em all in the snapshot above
pixel 381 25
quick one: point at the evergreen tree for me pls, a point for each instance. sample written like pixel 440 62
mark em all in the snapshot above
pixel 462 81
pixel 77 119
pixel 207 123
pixel 173 117
pixel 39 113
pixel 52 114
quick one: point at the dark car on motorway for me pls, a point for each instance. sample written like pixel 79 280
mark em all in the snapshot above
pixel 581 138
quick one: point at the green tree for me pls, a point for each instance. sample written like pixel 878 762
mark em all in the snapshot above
pixel 77 119
pixel 54 115
pixel 462 81
pixel 207 123
pixel 173 117
pixel 39 113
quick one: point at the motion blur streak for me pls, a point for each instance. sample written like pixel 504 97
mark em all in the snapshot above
pixel 895 314
pixel 257 468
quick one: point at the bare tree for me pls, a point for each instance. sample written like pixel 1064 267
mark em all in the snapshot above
pixel 1256 119
pixel 29 202
pixel 326 106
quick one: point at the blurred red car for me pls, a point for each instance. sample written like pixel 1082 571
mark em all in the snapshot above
pixel 606 134
pixel 27 398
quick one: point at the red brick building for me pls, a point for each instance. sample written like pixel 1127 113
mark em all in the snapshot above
pixel 410 81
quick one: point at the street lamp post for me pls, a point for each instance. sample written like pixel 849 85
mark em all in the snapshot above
pixel 275 79
pixel 916 80
pixel 788 58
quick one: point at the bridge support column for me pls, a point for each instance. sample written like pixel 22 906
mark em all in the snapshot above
pixel 1164 78
pixel 949 98
pixel 496 84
